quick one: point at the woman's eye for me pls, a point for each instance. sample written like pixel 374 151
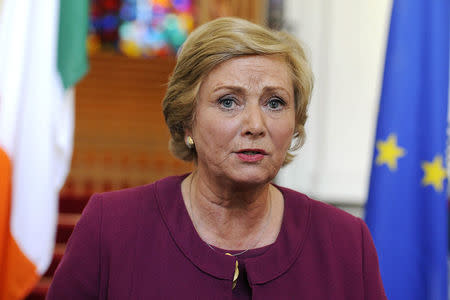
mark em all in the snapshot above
pixel 227 103
pixel 275 103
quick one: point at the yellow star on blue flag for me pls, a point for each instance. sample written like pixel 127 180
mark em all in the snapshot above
pixel 434 173
pixel 389 152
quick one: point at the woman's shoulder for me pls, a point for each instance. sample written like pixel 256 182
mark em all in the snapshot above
pixel 322 214
pixel 128 201
pixel 326 226
pixel 128 194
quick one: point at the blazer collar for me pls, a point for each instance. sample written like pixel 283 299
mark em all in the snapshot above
pixel 271 264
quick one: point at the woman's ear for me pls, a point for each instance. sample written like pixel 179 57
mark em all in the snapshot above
pixel 187 132
pixel 188 139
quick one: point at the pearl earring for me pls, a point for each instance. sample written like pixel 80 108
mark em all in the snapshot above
pixel 190 142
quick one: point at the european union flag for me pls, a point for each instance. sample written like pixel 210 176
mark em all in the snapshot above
pixel 407 205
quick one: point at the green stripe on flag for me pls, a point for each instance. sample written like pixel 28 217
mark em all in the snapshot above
pixel 73 29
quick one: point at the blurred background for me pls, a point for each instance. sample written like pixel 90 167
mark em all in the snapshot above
pixel 120 138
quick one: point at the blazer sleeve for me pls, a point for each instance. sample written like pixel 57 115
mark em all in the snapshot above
pixel 373 285
pixel 78 274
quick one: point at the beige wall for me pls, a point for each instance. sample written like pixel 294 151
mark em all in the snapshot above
pixel 346 41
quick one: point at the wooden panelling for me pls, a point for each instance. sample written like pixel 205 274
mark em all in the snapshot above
pixel 120 135
pixel 252 10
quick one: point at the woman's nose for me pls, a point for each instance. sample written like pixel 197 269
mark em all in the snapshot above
pixel 253 122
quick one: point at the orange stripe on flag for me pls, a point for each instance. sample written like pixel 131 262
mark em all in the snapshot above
pixel 21 273
pixel 18 275
pixel 5 207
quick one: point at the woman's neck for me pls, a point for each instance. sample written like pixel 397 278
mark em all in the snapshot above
pixel 233 218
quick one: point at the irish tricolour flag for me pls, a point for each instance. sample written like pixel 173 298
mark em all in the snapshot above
pixel 42 54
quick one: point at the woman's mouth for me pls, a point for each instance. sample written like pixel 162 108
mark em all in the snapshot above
pixel 251 155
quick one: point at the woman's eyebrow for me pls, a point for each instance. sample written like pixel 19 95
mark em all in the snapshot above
pixel 234 88
pixel 240 89
pixel 276 89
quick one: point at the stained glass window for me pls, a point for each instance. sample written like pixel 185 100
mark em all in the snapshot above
pixel 140 27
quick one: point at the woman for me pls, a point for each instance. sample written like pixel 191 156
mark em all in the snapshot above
pixel 235 103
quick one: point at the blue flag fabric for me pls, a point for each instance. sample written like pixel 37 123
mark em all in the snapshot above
pixel 406 209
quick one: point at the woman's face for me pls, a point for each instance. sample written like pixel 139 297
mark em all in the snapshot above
pixel 244 119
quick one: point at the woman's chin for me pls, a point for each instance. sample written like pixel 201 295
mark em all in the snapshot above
pixel 251 178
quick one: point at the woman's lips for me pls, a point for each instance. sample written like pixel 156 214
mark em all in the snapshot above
pixel 251 155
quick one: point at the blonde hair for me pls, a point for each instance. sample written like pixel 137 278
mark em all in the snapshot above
pixel 214 43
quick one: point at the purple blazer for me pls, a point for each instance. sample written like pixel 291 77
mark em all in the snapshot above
pixel 140 243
